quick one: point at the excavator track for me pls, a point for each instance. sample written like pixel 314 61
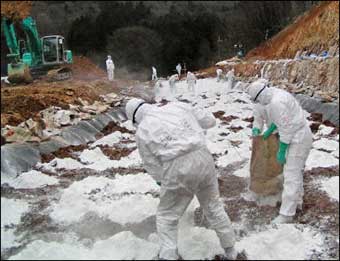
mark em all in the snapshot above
pixel 60 74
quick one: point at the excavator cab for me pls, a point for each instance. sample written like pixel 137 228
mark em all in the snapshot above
pixel 54 51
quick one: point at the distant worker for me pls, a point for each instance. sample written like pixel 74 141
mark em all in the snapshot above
pixel 219 73
pixel 191 81
pixel 157 90
pixel 154 74
pixel 171 143
pixel 295 142
pixel 110 67
pixel 230 77
pixel 179 69
pixel 172 84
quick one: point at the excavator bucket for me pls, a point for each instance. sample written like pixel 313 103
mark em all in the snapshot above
pixel 19 73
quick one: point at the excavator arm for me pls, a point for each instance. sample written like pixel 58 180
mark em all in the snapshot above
pixel 17 70
pixel 33 42
pixel 7 27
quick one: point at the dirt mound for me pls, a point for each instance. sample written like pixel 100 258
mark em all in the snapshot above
pixel 23 102
pixel 84 69
pixel 16 10
pixel 315 31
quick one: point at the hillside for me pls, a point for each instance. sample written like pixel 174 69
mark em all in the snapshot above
pixel 315 31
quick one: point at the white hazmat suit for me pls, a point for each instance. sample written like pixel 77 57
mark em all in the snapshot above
pixel 261 117
pixel 110 67
pixel 179 69
pixel 219 74
pixel 230 77
pixel 154 74
pixel 171 143
pixel 172 84
pixel 287 114
pixel 191 80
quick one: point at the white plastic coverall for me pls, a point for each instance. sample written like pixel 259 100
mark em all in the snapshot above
pixel 154 73
pixel 172 83
pixel 219 74
pixel 110 68
pixel 158 92
pixel 261 117
pixel 287 114
pixel 191 80
pixel 230 77
pixel 172 146
pixel 179 69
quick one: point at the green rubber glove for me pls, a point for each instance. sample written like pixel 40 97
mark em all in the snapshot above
pixel 270 130
pixel 256 131
pixel 159 183
pixel 281 154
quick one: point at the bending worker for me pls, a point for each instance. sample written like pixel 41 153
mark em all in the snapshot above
pixel 296 141
pixel 172 146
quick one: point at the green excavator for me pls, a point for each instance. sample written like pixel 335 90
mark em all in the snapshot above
pixel 35 56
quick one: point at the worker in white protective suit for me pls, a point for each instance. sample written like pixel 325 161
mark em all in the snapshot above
pixel 154 74
pixel 110 67
pixel 230 77
pixel 172 84
pixel 172 146
pixel 158 90
pixel 179 69
pixel 219 74
pixel 191 81
pixel 296 140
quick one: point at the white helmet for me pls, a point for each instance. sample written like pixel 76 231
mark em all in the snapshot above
pixel 131 108
pixel 109 57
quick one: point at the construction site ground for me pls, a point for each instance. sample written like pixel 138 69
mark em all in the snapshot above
pixel 24 101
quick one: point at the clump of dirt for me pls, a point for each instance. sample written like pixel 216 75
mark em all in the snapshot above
pixel 16 10
pixel 66 152
pixel 115 153
pixel 251 119
pixel 228 119
pixel 314 116
pixel 314 127
pixel 112 127
pixel 239 101
pixel 235 128
pixel 218 114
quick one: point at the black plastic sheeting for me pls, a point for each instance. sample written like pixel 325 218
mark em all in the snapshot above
pixel 18 158
pixel 329 111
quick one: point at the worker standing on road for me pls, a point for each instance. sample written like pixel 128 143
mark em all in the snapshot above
pixel 296 140
pixel 154 74
pixel 110 67
pixel 191 81
pixel 179 70
pixel 171 143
